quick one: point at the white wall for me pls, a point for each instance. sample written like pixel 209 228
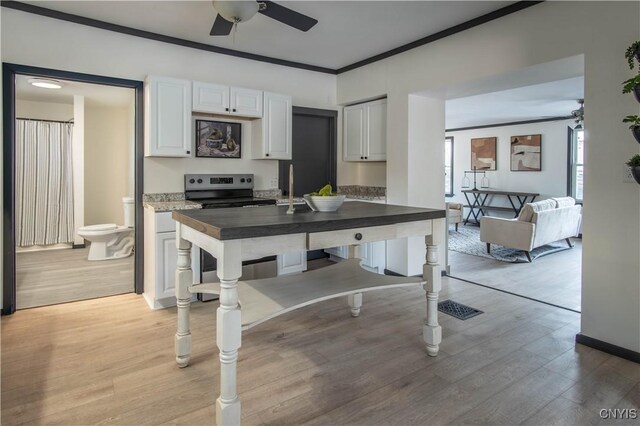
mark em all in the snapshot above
pixel 547 32
pixel 550 182
pixel 44 110
pixel 106 163
pixel 66 46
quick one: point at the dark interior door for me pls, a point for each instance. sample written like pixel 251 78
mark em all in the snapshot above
pixel 313 151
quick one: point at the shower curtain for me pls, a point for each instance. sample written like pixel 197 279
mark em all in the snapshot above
pixel 44 183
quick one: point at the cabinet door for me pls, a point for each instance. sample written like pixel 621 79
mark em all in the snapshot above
pixel 376 131
pixel 289 263
pixel 166 262
pixel 246 102
pixel 211 98
pixel 353 139
pixel 276 126
pixel 168 117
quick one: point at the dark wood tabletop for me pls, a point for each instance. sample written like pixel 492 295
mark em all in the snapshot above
pixel 496 192
pixel 237 223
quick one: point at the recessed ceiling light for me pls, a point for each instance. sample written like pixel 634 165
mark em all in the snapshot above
pixel 45 83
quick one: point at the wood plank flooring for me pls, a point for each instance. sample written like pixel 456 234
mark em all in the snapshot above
pixel 58 276
pixel 111 361
pixel 555 278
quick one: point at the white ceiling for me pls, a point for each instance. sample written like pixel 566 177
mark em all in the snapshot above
pixel 96 95
pixel 347 31
pixel 552 99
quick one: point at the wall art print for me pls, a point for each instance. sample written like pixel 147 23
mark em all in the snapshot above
pixel 218 139
pixel 483 153
pixel 526 153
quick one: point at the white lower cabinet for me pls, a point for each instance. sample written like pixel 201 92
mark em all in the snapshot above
pixel 160 259
pixel 290 263
pixel 373 255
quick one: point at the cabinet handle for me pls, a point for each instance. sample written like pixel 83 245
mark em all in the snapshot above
pixel 188 152
pixel 234 110
pixel 226 109
pixel 362 158
pixel 358 236
pixel 267 154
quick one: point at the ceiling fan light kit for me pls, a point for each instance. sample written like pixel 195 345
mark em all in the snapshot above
pixel 236 11
pixel 231 13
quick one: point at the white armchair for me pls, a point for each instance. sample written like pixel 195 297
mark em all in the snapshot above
pixel 455 212
pixel 538 224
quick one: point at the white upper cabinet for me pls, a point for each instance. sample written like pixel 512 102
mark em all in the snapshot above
pixel 271 138
pixel 353 133
pixel 365 131
pixel 168 117
pixel 212 98
pixel 245 102
pixel 219 99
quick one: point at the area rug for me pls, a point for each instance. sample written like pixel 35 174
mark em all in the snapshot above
pixel 467 240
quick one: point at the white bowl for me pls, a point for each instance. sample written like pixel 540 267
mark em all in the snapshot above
pixel 324 204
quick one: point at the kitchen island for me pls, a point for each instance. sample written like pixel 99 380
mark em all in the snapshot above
pixel 233 235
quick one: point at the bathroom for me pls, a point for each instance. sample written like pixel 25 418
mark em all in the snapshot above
pixel 74 179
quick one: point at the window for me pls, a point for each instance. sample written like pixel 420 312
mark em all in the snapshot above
pixel 448 166
pixel 576 164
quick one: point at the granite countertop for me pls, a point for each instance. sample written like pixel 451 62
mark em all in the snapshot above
pixel 169 206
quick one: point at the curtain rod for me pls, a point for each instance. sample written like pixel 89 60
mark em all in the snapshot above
pixel 48 121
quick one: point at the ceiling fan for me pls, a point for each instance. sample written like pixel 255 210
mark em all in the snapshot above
pixel 231 13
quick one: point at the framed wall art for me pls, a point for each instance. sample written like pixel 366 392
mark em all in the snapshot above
pixel 483 153
pixel 218 139
pixel 526 153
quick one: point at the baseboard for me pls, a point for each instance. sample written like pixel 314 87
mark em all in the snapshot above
pixel 618 351
pixel 78 246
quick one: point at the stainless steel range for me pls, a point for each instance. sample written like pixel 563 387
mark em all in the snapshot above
pixel 221 191
pixel 216 191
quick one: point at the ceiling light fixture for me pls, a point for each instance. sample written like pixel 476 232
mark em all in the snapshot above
pixel 578 114
pixel 45 83
pixel 237 11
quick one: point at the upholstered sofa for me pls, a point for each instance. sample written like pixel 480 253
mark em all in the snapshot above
pixel 538 223
pixel 454 214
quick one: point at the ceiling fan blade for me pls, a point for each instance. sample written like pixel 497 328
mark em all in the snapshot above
pixel 288 16
pixel 221 27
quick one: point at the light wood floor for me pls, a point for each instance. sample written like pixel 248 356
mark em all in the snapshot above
pixel 555 278
pixel 58 276
pixel 111 361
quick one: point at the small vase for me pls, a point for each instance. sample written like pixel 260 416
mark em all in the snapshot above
pixel 635 171
pixel 636 132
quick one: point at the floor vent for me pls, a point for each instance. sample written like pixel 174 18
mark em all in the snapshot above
pixel 458 310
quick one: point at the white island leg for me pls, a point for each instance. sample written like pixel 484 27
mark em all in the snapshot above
pixel 355 300
pixel 431 331
pixel 184 278
pixel 229 332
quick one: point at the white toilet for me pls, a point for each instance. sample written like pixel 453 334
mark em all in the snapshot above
pixel 110 241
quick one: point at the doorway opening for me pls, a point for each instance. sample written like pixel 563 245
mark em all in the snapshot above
pixel 72 177
pixel 505 149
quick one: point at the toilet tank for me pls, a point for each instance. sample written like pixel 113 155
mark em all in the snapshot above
pixel 129 211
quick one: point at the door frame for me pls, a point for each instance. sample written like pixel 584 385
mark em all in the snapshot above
pixel 9 72
pixel 332 115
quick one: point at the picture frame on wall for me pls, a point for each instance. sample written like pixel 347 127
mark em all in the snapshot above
pixel 526 153
pixel 484 153
pixel 218 139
